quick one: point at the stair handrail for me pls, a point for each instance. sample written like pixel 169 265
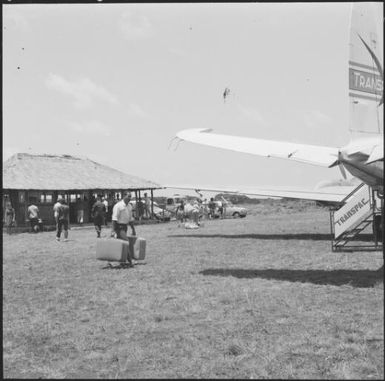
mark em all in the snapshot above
pixel 352 192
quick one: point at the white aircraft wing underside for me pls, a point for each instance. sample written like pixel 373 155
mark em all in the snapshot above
pixel 328 194
pixel 304 153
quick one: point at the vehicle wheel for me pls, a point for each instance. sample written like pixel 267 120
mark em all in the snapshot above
pixel 236 215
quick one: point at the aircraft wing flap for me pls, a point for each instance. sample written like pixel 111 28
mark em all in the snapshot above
pixel 310 154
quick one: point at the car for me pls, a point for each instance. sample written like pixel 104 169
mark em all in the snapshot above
pixel 159 213
pixel 229 210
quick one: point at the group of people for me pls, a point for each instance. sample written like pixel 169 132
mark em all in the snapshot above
pixel 122 218
pixel 194 210
pixel 187 210
pixel 61 213
pixel 214 207
pixel 33 215
pixel 143 208
pixel 81 207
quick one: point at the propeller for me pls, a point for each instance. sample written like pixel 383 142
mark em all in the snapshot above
pixel 342 170
pixel 340 166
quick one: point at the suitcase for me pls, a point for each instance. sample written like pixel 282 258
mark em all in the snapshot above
pixel 112 250
pixel 137 247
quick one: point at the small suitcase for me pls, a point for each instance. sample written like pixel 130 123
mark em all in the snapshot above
pixel 112 250
pixel 137 247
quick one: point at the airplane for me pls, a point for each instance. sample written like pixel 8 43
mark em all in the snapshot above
pixel 363 156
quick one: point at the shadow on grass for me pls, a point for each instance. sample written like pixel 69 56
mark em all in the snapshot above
pixel 120 266
pixel 300 236
pixel 355 278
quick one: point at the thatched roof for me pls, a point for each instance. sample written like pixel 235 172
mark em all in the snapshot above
pixel 65 172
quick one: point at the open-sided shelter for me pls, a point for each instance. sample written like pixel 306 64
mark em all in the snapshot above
pixel 41 179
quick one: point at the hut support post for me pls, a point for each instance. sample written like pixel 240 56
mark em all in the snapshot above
pixel 136 205
pixel 152 203
pixel 26 203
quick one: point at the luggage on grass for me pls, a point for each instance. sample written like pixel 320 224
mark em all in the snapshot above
pixel 137 247
pixel 112 250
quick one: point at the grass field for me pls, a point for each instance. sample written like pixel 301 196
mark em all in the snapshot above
pixel 259 297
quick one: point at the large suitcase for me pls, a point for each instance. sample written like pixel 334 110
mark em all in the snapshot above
pixel 137 247
pixel 112 250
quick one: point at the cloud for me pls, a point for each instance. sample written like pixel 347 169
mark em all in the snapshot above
pixel 93 127
pixel 252 114
pixel 83 90
pixel 315 118
pixel 134 26
pixel 135 110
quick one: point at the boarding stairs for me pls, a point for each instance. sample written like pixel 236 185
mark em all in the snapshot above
pixel 356 225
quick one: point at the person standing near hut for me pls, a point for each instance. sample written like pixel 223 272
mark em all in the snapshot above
pixel 79 205
pixel 33 216
pixel 122 218
pixel 9 217
pixel 62 220
pixel 105 202
pixel 98 213
pixel 140 209
pixel 147 204
pixel 56 208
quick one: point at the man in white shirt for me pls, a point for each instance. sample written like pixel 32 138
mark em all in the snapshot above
pixel 122 217
pixel 33 216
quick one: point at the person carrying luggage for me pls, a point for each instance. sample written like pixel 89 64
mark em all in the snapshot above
pixel 122 218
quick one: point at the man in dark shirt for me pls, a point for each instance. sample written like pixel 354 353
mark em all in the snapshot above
pixel 98 213
pixel 211 208
pixel 63 212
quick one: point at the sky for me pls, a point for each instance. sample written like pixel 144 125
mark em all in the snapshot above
pixel 116 82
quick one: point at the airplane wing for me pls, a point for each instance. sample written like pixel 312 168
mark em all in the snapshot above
pixel 304 153
pixel 334 194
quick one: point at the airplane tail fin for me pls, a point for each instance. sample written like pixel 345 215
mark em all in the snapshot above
pixel 366 76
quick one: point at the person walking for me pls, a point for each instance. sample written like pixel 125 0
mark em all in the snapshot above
pixel 98 214
pixel 62 220
pixel 56 208
pixel 105 202
pixel 9 217
pixel 122 218
pixel 33 216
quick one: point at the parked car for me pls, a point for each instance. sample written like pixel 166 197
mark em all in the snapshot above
pixel 229 210
pixel 159 213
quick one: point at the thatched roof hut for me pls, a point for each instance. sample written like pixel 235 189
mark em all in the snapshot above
pixel 65 172
pixel 41 179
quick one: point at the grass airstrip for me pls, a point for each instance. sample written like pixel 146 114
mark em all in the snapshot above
pixel 258 297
